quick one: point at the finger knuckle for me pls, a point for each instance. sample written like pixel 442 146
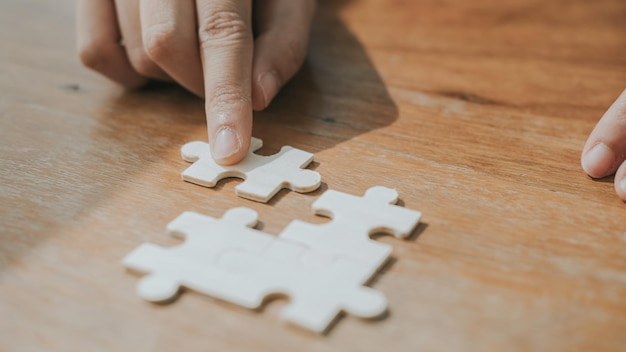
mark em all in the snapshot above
pixel 229 95
pixel 97 54
pixel 222 27
pixel 159 41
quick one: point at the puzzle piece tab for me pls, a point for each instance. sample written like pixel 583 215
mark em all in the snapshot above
pixel 354 219
pixel 263 176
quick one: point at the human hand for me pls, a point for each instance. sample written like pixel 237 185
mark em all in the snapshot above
pixel 604 153
pixel 207 46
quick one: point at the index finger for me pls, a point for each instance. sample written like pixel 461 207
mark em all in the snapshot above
pixel 225 35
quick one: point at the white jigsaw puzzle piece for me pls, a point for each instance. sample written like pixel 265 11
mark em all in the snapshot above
pixel 354 219
pixel 263 176
pixel 227 259
pixel 318 293
pixel 193 264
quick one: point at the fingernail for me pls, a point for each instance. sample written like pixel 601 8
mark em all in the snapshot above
pixel 598 162
pixel 269 83
pixel 227 143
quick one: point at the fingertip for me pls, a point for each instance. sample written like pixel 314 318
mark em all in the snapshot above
pixel 599 161
pixel 231 160
pixel 228 146
pixel 230 128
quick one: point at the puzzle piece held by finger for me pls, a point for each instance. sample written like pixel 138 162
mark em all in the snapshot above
pixel 263 176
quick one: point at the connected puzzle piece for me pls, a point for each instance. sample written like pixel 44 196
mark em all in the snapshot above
pixel 354 219
pixel 227 259
pixel 193 264
pixel 263 176
pixel 318 293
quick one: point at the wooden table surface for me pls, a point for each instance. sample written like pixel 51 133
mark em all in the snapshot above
pixel 475 111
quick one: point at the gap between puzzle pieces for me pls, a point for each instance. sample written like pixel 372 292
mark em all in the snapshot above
pixel 322 268
pixel 263 176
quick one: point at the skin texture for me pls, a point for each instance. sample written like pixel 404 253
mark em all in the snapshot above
pixel 604 153
pixel 206 46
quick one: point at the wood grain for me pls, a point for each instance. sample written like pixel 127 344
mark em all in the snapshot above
pixel 475 111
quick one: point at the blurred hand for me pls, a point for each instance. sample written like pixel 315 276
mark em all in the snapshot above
pixel 604 153
pixel 206 46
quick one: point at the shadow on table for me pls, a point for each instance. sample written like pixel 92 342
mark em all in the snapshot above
pixel 336 96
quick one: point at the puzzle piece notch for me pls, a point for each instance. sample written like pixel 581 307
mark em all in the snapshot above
pixel 263 176
pixel 193 263
pixel 317 293
pixel 354 220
